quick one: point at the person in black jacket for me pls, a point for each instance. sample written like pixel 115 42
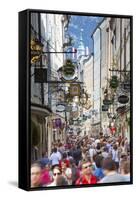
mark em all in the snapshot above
pixel 77 155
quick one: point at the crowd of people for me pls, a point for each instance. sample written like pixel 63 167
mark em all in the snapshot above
pixel 83 160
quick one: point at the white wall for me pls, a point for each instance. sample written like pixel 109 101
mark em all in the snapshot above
pixel 97 89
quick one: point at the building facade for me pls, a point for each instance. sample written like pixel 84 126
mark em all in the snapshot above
pixel 49 30
pixel 111 60
pixel 96 115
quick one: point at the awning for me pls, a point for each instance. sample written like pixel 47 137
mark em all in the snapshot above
pixel 40 109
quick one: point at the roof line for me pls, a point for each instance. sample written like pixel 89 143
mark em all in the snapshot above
pixel 98 26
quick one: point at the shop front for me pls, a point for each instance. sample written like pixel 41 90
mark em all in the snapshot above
pixel 39 131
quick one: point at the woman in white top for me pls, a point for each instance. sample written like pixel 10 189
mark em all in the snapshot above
pixel 92 152
pixel 115 155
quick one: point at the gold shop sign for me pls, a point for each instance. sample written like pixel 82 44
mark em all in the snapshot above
pixel 74 89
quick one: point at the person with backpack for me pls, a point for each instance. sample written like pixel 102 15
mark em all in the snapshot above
pixel 99 171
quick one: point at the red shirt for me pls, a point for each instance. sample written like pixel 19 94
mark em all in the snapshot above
pixel 83 181
pixel 66 162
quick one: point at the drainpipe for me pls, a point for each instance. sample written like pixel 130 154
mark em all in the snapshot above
pixel 39 30
pixel 93 70
pixel 120 46
pixel 100 77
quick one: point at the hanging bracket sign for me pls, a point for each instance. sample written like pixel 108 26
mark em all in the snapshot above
pixel 60 107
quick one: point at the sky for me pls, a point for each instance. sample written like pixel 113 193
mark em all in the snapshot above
pixel 88 24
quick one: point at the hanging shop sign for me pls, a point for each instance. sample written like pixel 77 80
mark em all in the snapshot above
pixel 88 105
pixel 74 90
pixel 121 109
pixel 60 107
pixel 36 45
pixel 123 99
pixel 68 108
pixel 68 69
pixel 105 107
pixel 83 98
pixel 35 59
pixel 84 118
pixel 75 115
pixel 68 98
pixel 36 50
pixel 57 123
pixel 114 82
pixel 107 101
pixel 126 86
pixel 70 79
pixel 40 75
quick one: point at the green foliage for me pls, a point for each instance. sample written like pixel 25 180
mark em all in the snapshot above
pixel 114 82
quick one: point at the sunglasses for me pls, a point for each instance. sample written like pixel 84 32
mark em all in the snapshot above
pixel 87 166
pixel 55 174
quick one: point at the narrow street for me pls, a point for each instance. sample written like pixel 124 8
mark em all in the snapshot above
pixel 80 100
